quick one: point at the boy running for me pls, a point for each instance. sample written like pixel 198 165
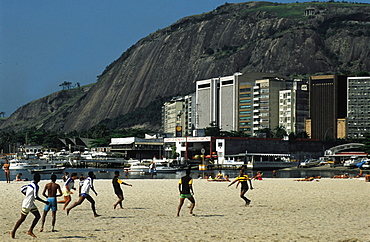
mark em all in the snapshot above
pixel 117 189
pixel 85 189
pixel 52 188
pixel 186 191
pixel 68 186
pixel 243 179
pixel 28 206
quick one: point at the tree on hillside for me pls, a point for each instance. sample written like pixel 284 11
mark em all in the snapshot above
pixel 66 85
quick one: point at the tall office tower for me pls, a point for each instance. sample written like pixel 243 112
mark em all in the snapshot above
pixel 266 104
pixel 293 106
pixel 217 102
pixel 246 107
pixel 358 119
pixel 189 111
pixel 328 107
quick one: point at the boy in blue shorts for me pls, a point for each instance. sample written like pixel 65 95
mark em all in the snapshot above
pixel 52 188
pixel 84 194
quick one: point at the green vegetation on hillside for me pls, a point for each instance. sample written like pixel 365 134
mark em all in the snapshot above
pixel 295 10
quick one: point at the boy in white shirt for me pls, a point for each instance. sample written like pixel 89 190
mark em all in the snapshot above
pixel 28 206
pixel 85 189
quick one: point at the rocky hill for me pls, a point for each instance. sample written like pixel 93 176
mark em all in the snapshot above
pixel 246 37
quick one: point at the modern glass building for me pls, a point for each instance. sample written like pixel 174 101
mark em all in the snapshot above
pixel 358 106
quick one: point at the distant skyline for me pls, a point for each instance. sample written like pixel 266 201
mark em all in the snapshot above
pixel 44 43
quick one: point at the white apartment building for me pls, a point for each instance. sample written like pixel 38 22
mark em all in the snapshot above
pixel 293 106
pixel 287 110
pixel 358 106
pixel 217 102
pixel 178 116
pixel 266 103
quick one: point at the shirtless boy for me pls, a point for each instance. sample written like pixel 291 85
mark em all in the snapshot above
pixel 52 188
pixel 28 206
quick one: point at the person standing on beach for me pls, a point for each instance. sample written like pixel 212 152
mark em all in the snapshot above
pixel 7 171
pixel 52 188
pixel 243 179
pixel 85 189
pixel 152 169
pixel 28 205
pixel 68 186
pixel 117 189
pixel 186 191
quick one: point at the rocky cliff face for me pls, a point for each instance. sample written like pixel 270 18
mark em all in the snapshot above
pixel 248 37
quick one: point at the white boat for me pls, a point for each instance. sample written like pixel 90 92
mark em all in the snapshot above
pixel 309 163
pixel 17 164
pixel 45 169
pixel 165 169
pixel 352 162
pixel 139 167
pixel 34 165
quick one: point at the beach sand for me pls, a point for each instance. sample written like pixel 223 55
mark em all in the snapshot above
pixel 281 210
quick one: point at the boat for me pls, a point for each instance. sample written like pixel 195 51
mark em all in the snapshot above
pixel 165 169
pixel 139 167
pixel 352 162
pixel 366 164
pixel 19 164
pixel 49 169
pixel 309 163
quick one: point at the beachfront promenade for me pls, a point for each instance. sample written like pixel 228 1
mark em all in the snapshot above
pixel 281 210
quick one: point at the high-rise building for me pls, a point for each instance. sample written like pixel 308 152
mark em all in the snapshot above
pixel 358 106
pixel 246 107
pixel 266 103
pixel 178 116
pixel 217 102
pixel 327 106
pixel 293 106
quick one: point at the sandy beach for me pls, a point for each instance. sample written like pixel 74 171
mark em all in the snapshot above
pixel 281 210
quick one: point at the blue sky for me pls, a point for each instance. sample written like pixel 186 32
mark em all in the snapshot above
pixel 44 43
